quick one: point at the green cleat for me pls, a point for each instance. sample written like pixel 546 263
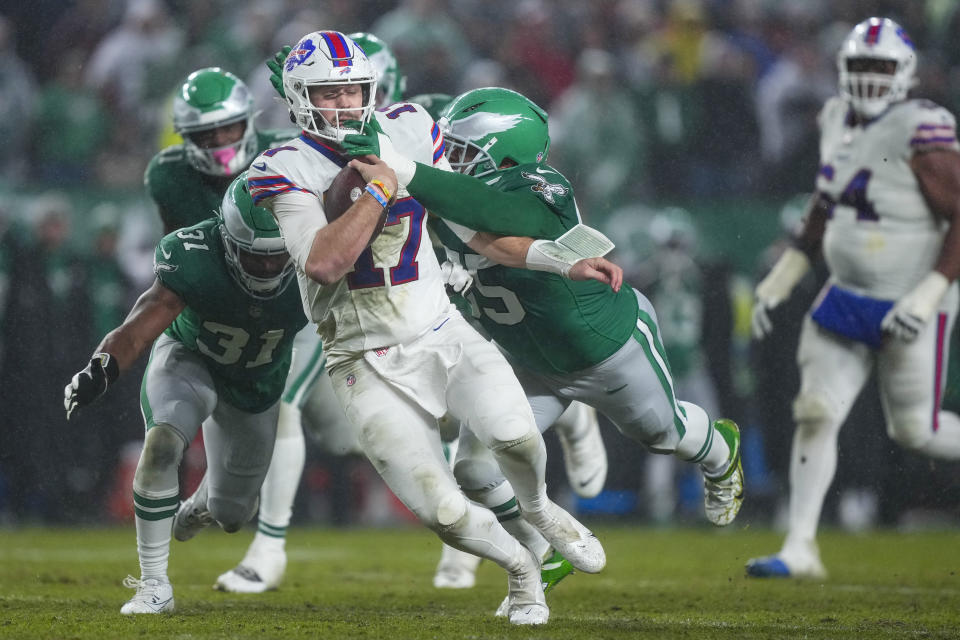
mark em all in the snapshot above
pixel 554 569
pixel 723 494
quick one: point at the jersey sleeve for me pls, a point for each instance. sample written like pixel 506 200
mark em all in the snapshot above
pixel 413 132
pixel 523 202
pixel 930 127
pixel 177 261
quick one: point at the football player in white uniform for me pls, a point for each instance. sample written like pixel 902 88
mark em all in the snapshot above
pixel 400 356
pixel 885 215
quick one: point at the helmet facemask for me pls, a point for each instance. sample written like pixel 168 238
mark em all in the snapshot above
pixel 876 66
pixel 466 156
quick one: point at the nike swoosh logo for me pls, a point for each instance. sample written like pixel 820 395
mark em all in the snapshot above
pixel 543 171
pixel 439 326
pixel 610 392
pixel 590 479
pixel 260 166
pixel 550 566
pixel 166 254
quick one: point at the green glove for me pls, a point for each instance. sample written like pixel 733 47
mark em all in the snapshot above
pixel 275 65
pixel 365 142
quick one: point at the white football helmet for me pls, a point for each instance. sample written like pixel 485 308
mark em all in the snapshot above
pixel 877 62
pixel 326 58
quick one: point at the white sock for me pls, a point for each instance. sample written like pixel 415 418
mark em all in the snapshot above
pixel 502 502
pixel 155 511
pixel 945 443
pixel 474 529
pixel 813 463
pixel 280 485
pixel 701 443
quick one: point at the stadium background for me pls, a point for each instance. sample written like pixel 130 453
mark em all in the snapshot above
pixel 686 126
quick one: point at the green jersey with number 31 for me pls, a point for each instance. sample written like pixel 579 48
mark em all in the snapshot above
pixel 246 342
pixel 547 323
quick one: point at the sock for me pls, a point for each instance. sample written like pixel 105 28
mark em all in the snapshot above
pixel 154 520
pixel 502 502
pixel 701 443
pixel 474 529
pixel 813 463
pixel 945 443
pixel 280 485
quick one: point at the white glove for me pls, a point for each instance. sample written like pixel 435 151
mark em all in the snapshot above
pixel 404 167
pixel 775 288
pixel 913 311
pixel 456 277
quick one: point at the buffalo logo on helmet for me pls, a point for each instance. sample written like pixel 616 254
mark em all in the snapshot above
pixel 299 54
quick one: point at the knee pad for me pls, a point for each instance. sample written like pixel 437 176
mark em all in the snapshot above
pixel 231 513
pixel 451 510
pixel 476 475
pixel 162 451
pixel 520 446
pixel 812 411
pixel 910 432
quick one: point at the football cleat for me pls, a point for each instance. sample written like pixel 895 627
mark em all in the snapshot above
pixel 574 541
pixel 192 516
pixel 723 494
pixel 456 569
pixel 554 569
pixel 584 456
pixel 260 570
pixel 776 566
pixel 154 595
pixel 526 604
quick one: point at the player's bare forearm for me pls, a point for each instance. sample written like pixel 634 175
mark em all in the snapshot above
pixel 599 269
pixel 814 225
pixel 510 251
pixel 154 311
pixel 938 174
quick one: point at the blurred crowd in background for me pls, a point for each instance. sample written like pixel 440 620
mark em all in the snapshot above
pixel 687 128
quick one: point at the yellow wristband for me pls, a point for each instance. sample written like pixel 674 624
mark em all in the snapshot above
pixel 383 187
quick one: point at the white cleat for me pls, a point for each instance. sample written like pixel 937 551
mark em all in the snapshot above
pixel 260 570
pixel 192 516
pixel 574 541
pixel 456 569
pixel 526 604
pixel 584 456
pixel 154 595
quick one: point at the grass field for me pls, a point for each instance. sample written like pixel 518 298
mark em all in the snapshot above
pixel 659 583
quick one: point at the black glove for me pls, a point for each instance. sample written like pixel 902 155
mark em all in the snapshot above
pixel 275 64
pixel 91 383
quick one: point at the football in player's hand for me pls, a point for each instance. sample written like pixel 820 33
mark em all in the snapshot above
pixel 346 188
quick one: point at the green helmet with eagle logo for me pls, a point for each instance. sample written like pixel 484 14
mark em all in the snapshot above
pixel 483 128
pixel 255 251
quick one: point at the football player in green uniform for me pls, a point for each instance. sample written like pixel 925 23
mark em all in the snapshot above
pixel 566 340
pixel 213 111
pixel 221 317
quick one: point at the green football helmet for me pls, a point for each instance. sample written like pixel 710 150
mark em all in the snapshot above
pixel 256 254
pixel 484 127
pixel 390 83
pixel 212 98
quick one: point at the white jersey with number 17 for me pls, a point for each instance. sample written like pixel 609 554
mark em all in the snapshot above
pixel 881 238
pixel 395 290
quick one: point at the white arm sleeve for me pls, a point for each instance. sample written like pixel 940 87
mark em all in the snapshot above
pixel 299 216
